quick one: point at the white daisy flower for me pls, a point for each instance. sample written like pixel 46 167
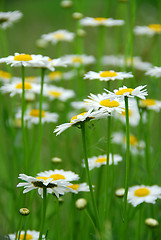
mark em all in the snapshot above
pixel 54 92
pixel 59 36
pixel 80 105
pixel 28 60
pixel 120 61
pixel 32 116
pixel 54 183
pixel 134 116
pixel 100 101
pixel 128 92
pixel 135 145
pixel 150 30
pixel 107 75
pixel 16 88
pixel 29 79
pixel 100 21
pixel 78 119
pixel 150 104
pixel 154 72
pixel 77 60
pixel 29 235
pixel 57 76
pixel 5 76
pixel 139 194
pixel 79 187
pixel 8 18
pixel 96 162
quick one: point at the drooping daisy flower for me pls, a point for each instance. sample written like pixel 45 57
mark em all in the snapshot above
pixel 100 21
pixel 154 72
pixel 150 104
pixel 32 116
pixel 134 116
pixel 101 101
pixel 77 60
pixel 107 75
pixel 135 145
pixel 59 36
pixel 30 235
pixel 80 187
pixel 120 61
pixel 96 162
pixel 16 88
pixel 129 92
pixel 5 76
pixel 28 60
pixel 149 30
pixel 139 194
pixel 53 92
pixel 8 18
pixel 80 118
pixel 54 183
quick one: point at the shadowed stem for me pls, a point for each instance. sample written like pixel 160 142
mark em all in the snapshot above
pixel 88 176
pixel 43 212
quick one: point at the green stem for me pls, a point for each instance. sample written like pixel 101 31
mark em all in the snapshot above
pixel 58 219
pixel 139 223
pixel 127 159
pixel 43 212
pixel 18 233
pixel 101 35
pixel 147 147
pixel 88 175
pixel 107 166
pixel 40 118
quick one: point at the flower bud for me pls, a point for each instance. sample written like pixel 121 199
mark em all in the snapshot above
pixel 24 211
pixel 81 33
pixel 41 43
pixel 77 15
pixel 151 222
pixel 61 200
pixel 66 4
pixel 120 192
pixel 56 160
pixel 81 203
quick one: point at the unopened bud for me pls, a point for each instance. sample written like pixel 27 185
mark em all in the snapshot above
pixel 120 192
pixel 24 211
pixel 41 43
pixel 151 222
pixel 56 160
pixel 66 4
pixel 81 203
pixel 81 33
pixel 77 15
pixel 61 200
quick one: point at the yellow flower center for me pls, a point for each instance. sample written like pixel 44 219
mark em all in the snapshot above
pixel 108 74
pixel 54 75
pixel 28 237
pixel 147 102
pixel 53 176
pixel 155 27
pixel 100 19
pixel 133 140
pixel 23 57
pixel 125 90
pixel 55 93
pixel 101 160
pixel 123 113
pixel 109 103
pixel 74 186
pixel 77 60
pixel 36 112
pixel 76 116
pixel 142 192
pixel 27 86
pixel 30 79
pixel 59 36
pixel 5 74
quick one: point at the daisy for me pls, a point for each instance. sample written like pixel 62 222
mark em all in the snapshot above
pixel 120 62
pixel 80 118
pixel 57 76
pixel 129 92
pixel 107 75
pixel 5 76
pixel 53 92
pixel 140 194
pixel 81 187
pixel 29 235
pixel 101 101
pixel 100 21
pixel 8 18
pixel 54 183
pixel 32 116
pixel 27 60
pixel 150 30
pixel 80 105
pixel 150 104
pixel 30 79
pixel 77 60
pixel 154 72
pixel 16 88
pixel 59 36
pixel 96 162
